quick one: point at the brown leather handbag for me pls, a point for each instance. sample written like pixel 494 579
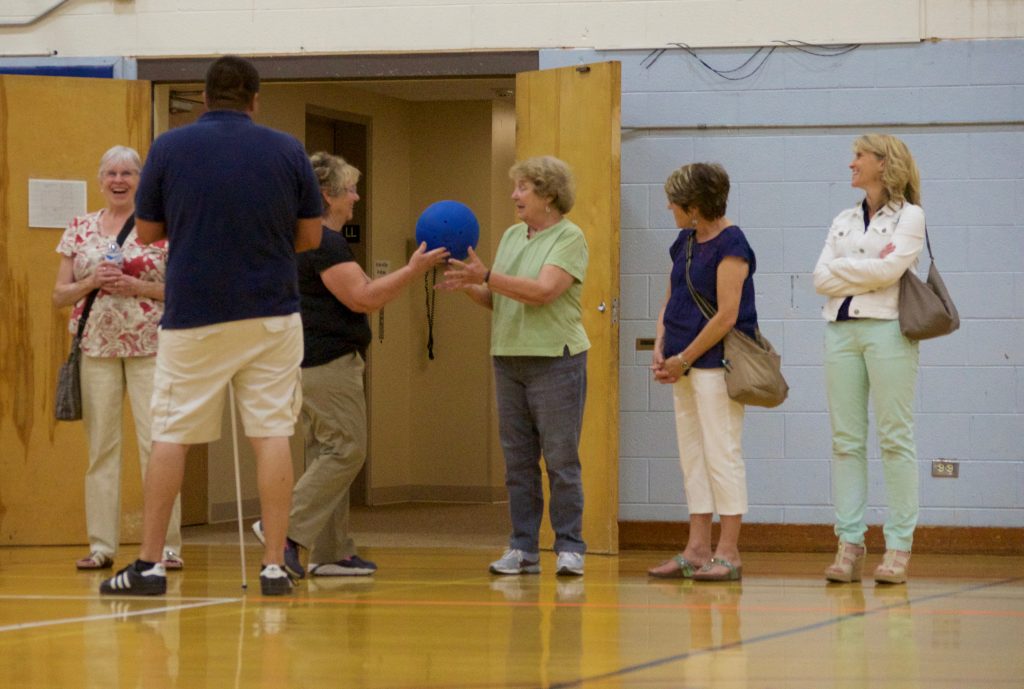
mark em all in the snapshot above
pixel 753 369
pixel 926 309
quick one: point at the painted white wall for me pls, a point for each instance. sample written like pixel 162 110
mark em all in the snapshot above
pixel 75 28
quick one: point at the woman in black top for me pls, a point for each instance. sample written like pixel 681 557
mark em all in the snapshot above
pixel 336 296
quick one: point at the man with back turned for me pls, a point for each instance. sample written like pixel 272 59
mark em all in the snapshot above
pixel 236 201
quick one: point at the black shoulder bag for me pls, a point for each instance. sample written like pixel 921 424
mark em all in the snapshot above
pixel 68 402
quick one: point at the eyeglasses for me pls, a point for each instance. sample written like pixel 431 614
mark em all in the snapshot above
pixel 350 190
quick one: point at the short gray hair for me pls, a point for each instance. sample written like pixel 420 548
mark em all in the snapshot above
pixel 551 179
pixel 120 154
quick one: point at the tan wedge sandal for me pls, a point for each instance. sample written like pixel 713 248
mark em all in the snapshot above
pixel 893 569
pixel 848 565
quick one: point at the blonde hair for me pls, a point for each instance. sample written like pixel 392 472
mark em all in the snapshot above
pixel 551 179
pixel 119 154
pixel 333 173
pixel 901 179
pixel 700 186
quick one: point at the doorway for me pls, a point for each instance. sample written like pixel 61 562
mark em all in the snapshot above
pixel 347 135
pixel 433 433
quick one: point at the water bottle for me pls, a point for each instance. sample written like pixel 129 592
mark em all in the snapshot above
pixel 114 254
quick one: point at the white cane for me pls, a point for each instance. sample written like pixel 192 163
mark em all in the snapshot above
pixel 238 483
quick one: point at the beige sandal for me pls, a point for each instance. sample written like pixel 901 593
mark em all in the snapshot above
pixel 848 565
pixel 95 560
pixel 172 561
pixel 893 569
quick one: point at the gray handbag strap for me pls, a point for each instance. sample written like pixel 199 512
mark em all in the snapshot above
pixel 928 243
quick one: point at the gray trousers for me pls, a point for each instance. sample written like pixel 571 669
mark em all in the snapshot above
pixel 334 427
pixel 540 411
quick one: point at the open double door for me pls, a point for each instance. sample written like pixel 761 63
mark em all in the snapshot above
pixel 56 128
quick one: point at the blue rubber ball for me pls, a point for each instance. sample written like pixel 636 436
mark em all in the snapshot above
pixel 449 224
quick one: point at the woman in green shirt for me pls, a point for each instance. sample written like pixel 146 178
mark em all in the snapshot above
pixel 539 350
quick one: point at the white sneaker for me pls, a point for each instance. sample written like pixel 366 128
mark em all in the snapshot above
pixel 274 581
pixel 570 564
pixel 516 561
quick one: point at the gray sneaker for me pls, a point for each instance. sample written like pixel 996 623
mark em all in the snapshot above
pixel 352 566
pixel 570 564
pixel 516 561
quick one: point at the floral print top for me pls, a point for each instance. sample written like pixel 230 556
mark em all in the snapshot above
pixel 118 326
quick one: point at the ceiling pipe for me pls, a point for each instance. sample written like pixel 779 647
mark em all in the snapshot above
pixel 32 20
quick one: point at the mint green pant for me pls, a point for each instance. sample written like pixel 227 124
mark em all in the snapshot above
pixel 871 359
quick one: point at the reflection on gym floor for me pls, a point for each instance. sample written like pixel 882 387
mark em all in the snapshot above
pixel 434 617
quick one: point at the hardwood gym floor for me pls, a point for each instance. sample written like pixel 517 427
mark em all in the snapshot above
pixel 434 618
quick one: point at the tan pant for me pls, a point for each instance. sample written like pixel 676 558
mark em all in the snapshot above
pixel 709 430
pixel 104 381
pixel 334 424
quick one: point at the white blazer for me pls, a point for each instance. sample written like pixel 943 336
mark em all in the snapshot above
pixel 849 265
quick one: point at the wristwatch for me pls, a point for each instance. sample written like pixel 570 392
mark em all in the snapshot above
pixel 684 362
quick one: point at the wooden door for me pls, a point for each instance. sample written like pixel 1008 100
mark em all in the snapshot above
pixel 573 113
pixel 52 128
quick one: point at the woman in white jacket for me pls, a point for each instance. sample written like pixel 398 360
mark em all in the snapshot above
pixel 868 248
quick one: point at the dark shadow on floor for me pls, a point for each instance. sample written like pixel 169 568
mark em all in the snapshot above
pixel 405 525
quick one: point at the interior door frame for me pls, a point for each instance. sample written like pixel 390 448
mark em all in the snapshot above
pixel 359 492
pixel 352 67
pixel 425 66
pixel 549 104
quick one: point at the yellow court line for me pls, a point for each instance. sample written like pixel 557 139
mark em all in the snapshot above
pixel 93 597
pixel 643 606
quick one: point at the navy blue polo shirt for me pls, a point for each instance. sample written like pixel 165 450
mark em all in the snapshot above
pixel 229 192
pixel 683 319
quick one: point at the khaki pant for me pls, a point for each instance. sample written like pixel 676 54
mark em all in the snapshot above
pixel 334 424
pixel 259 356
pixel 709 431
pixel 104 382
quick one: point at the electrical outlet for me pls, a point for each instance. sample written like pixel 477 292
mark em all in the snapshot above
pixel 945 468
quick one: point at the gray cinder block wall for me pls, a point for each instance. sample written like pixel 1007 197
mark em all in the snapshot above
pixel 784 135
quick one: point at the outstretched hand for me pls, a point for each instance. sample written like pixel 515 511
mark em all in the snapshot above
pixel 464 274
pixel 422 260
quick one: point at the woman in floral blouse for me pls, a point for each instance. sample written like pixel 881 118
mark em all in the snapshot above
pixel 118 346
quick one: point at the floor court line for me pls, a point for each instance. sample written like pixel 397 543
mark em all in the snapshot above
pixel 404 602
pixel 22 626
pixel 782 633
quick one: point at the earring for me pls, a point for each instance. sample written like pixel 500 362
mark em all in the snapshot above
pixel 547 209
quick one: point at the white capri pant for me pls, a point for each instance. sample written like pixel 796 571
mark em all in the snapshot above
pixel 709 429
